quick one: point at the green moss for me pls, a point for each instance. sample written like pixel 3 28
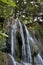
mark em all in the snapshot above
pixel 36 27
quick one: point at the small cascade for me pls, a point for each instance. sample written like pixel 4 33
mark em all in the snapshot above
pixel 22 49
pixel 14 62
pixel 27 63
pixel 38 60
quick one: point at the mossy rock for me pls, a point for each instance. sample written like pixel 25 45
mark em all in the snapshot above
pixel 3 59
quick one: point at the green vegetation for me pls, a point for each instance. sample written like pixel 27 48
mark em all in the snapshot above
pixel 6 8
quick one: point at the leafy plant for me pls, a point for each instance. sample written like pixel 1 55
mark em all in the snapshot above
pixel 6 8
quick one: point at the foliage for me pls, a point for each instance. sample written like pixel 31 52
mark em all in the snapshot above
pixel 6 8
pixel 25 9
pixel 20 8
pixel 2 39
pixel 36 27
pixel 40 31
pixel 3 34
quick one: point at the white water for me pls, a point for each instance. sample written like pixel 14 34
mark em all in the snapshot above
pixel 13 33
pixel 28 46
pixel 14 62
pixel 27 63
pixel 38 60
pixel 23 41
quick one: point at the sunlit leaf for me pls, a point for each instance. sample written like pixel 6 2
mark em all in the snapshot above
pixel 11 3
pixel 3 34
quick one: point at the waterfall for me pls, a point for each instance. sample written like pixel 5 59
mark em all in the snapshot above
pixel 26 55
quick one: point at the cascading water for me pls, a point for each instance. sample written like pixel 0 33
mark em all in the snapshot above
pixel 13 37
pixel 38 60
pixel 28 47
pixel 23 43
pixel 14 62
pixel 12 44
pixel 13 32
pixel 26 56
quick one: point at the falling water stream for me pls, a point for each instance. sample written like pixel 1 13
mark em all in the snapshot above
pixel 14 62
pixel 13 32
pixel 12 48
pixel 26 58
pixel 23 41
pixel 28 46
pixel 38 60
